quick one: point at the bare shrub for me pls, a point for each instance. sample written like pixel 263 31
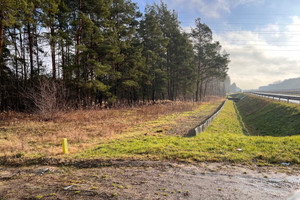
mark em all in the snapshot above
pixel 46 98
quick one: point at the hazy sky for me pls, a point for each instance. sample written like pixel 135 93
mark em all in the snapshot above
pixel 261 36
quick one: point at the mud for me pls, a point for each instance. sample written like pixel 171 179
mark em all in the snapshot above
pixel 149 180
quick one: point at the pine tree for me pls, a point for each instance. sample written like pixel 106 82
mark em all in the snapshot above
pixel 105 51
pixel 179 52
pixel 183 76
pixel 50 9
pixel 154 49
pixel 65 38
pixel 211 63
pixel 202 36
pixel 8 9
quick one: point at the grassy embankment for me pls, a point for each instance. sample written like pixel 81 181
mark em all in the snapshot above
pixel 270 118
pixel 221 140
pixel 27 137
pixel 255 125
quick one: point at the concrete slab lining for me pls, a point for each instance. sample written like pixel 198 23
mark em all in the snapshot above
pixel 203 126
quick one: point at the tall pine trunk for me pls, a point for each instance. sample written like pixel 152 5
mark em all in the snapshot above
pixel 1 36
pixel 16 53
pixel 24 74
pixel 36 44
pixel 201 90
pixel 63 61
pixel 78 40
pixel 197 91
pixel 1 59
pixel 198 83
pixel 30 44
pixel 205 88
pixel 52 44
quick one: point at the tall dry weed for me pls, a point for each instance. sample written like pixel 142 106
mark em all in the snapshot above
pixel 21 132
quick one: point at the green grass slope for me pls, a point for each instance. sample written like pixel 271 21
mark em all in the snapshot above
pixel 219 143
pixel 237 95
pixel 267 117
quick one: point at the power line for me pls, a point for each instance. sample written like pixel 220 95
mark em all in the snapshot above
pixel 247 23
pixel 282 32
pixel 264 33
pixel 232 48
pixel 268 45
pixel 275 41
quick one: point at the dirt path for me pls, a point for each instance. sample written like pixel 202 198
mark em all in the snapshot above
pixel 149 180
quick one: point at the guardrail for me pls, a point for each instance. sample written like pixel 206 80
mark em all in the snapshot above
pixel 203 126
pixel 282 91
pixel 288 98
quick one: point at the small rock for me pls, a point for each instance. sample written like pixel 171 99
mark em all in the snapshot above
pixel 41 171
pixel 286 164
pixel 186 193
pixel 45 170
pixel 68 187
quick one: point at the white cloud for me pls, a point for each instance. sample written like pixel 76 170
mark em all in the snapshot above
pixel 260 59
pixel 187 29
pixel 210 8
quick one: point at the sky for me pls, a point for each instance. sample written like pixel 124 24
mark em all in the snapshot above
pixel 261 36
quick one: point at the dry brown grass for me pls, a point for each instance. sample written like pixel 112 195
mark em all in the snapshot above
pixel 26 134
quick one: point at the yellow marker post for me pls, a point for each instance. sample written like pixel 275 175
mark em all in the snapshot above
pixel 65 146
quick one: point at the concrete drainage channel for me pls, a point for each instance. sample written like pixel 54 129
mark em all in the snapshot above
pixel 203 126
